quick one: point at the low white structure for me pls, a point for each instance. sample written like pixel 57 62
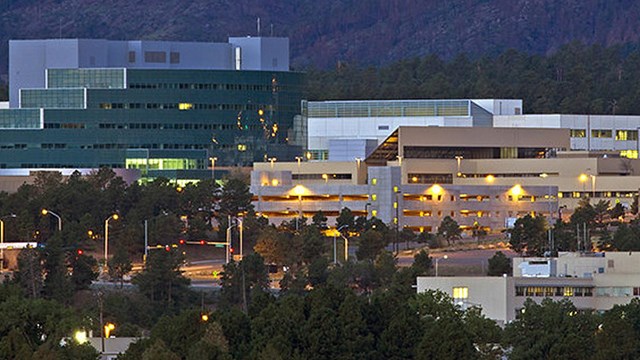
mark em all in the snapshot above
pixel 592 281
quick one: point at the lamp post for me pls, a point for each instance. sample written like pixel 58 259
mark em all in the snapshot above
pixel 106 237
pixel 228 245
pixel 49 212
pixel 2 239
pixel 346 248
pixel 299 159
pixel 241 228
pixel 397 221
pixel 213 168
pixel 458 160
pixel 335 235
pixel 272 161
pixel 438 260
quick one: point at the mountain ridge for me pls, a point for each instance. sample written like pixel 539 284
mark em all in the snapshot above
pixel 325 33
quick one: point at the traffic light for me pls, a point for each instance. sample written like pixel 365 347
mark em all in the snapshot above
pixel 231 250
pixel 167 248
pixel 202 242
pixel 79 252
pixel 182 242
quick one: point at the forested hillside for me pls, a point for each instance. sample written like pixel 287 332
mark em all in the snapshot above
pixel 576 79
pixel 325 32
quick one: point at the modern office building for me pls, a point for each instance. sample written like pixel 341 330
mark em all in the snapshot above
pixel 592 281
pixel 413 179
pixel 170 109
pixel 484 176
pixel 328 124
pixel 324 122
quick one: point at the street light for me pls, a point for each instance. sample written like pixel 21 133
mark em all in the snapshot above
pixel 335 235
pixel 106 237
pixel 49 212
pixel 228 245
pixel 213 168
pixel 458 160
pixel 272 160
pixel 438 260
pixel 2 239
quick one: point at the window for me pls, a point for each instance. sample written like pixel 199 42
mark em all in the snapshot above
pixel 374 181
pixel 174 57
pixel 242 147
pixel 374 197
pixel 626 135
pixel 578 133
pixel 155 57
pixel 383 127
pixel 460 293
pixel 132 56
pixel 185 106
pixel 599 133
pixel 631 154
pixel 517 111
pixel 374 213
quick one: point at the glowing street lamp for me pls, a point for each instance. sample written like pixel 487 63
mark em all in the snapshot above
pixel 108 328
pixel 49 212
pixel 458 160
pixel 213 167
pixel 106 237
pixel 272 161
pixel 438 260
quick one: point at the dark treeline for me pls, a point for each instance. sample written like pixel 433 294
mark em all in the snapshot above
pixel 365 307
pixel 577 79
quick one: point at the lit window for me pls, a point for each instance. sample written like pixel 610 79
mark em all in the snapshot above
pixel 631 154
pixel 568 291
pixel 374 181
pixel 395 189
pixel 627 135
pixel 242 147
pixel 185 106
pixel 374 197
pixel 599 133
pixel 578 133
pixel 374 213
pixel 395 205
pixel 461 292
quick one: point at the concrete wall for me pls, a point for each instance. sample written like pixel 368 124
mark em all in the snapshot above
pixel 495 295
pixel 263 53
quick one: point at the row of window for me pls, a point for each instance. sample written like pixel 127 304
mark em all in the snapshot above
pixel 463 213
pixel 567 291
pixel 202 86
pixel 239 147
pixel 183 106
pixel 325 177
pixel 621 135
pixel 64 166
pixel 597 194
pixel 163 126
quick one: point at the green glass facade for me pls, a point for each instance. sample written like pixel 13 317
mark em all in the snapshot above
pixel 176 118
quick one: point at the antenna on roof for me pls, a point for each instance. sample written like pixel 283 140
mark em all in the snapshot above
pixel 258 26
pixel 271 30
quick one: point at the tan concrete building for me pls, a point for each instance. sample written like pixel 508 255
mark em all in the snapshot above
pixel 418 175
pixel 409 180
pixel 592 281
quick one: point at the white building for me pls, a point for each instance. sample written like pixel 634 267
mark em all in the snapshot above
pixel 325 121
pixel 592 281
